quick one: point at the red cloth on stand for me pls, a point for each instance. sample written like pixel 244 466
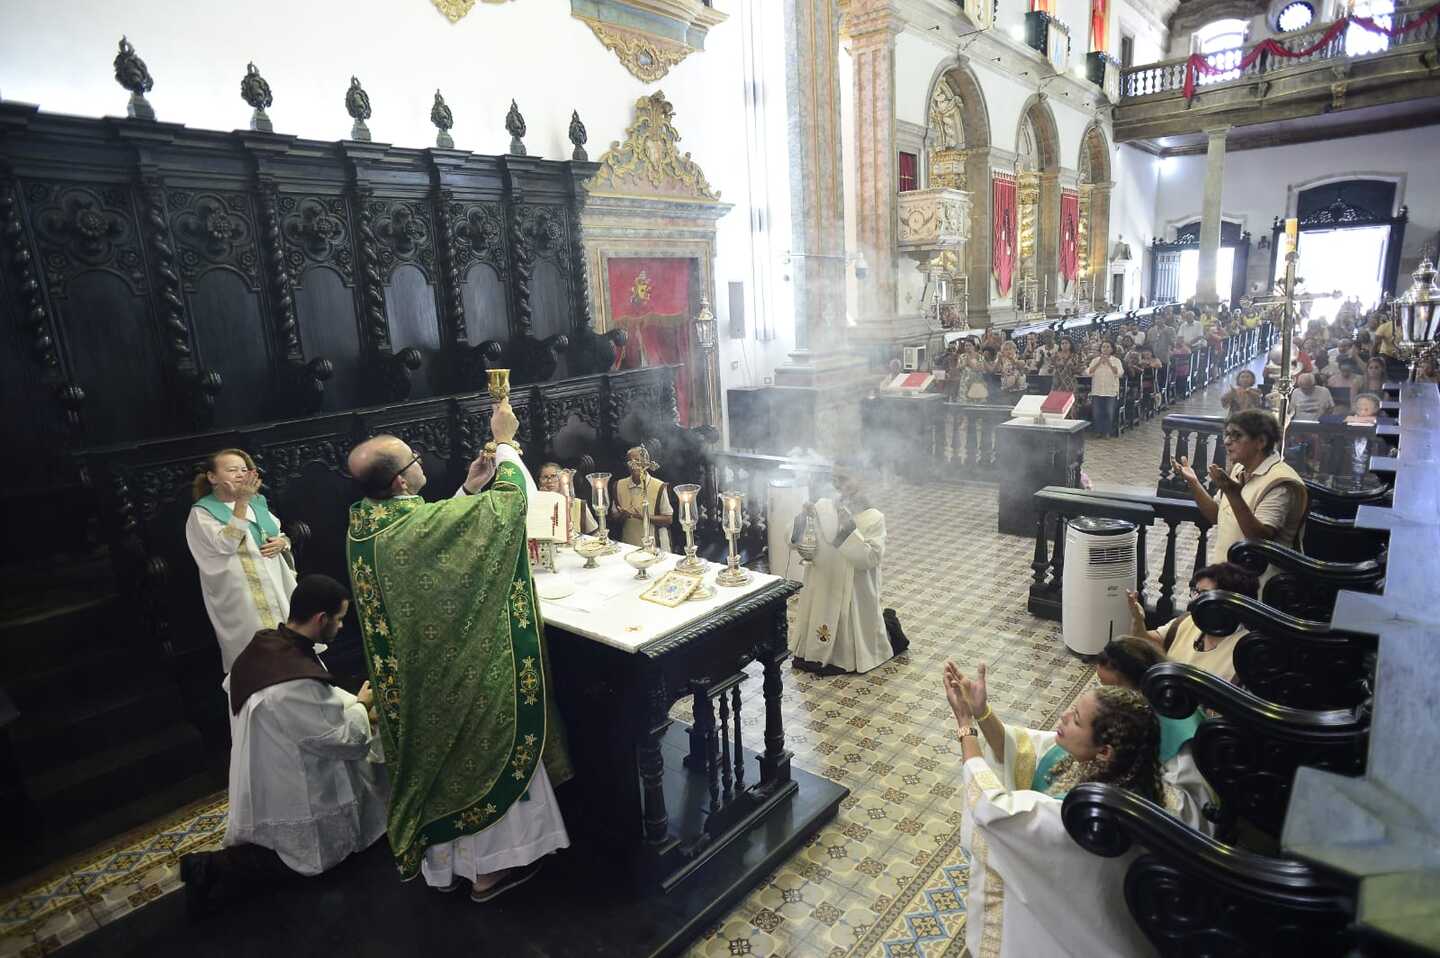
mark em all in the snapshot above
pixel 1004 229
pixel 1069 236
pixel 650 300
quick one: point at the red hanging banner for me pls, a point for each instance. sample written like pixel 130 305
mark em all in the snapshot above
pixel 1003 246
pixel 1069 236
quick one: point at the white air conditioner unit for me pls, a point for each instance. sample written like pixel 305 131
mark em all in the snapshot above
pixel 913 358
pixel 1099 571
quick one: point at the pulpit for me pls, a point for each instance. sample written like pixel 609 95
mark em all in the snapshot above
pixel 1033 455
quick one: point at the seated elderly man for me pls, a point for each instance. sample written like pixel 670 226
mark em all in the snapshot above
pixel 304 792
pixel 1309 400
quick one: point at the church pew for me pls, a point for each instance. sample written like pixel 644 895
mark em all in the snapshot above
pixel 1305 586
pixel 1248 748
pixel 1290 661
pixel 1193 895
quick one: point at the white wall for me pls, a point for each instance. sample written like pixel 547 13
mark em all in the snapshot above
pixel 59 56
pixel 1135 174
pixel 1259 183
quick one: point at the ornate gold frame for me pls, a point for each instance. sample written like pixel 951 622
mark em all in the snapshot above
pixel 647 199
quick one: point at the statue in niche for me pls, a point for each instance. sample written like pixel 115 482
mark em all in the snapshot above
pixel 944 139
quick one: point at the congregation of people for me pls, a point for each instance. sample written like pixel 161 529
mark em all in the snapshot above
pixel 318 773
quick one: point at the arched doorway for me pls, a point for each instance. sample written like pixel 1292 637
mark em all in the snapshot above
pixel 957 155
pixel 1037 200
pixel 1093 239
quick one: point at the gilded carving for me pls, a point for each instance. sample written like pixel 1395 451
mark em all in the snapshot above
pixel 1027 197
pixel 454 10
pixel 649 162
pixel 647 57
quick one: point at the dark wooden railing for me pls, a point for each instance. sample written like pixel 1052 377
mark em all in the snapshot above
pixel 751 474
pixel 1058 505
pixel 1335 456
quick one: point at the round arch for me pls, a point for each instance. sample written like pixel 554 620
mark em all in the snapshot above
pixel 1094 156
pixel 974 113
pixel 1038 114
pixel 976 141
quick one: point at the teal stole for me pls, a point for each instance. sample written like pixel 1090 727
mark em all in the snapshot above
pixel 1041 781
pixel 262 524
pixel 1174 733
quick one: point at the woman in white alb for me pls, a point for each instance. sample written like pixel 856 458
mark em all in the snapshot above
pixel 246 571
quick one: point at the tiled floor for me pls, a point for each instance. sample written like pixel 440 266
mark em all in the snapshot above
pixel 887 877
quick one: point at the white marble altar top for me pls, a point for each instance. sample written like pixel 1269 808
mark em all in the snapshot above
pixel 606 604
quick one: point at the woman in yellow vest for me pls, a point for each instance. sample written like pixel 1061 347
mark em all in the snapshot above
pixel 1260 496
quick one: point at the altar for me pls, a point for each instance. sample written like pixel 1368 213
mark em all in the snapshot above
pixel 684 817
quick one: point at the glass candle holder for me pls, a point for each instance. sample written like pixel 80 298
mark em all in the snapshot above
pixel 600 496
pixel 731 518
pixel 686 494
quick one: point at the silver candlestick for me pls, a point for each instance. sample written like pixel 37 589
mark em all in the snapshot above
pixel 731 504
pixel 600 495
pixel 572 521
pixel 686 494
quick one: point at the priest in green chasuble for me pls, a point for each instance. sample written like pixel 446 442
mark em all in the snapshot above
pixel 457 660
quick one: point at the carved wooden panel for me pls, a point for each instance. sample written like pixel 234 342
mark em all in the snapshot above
pixel 246 279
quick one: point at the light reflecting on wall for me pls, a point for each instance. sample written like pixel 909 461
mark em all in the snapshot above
pixel 1189 277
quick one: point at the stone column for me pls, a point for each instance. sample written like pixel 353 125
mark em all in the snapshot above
pixel 817 198
pixel 1205 292
pixel 819 405
pixel 869 28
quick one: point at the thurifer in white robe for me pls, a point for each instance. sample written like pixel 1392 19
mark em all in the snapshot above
pixel 244 591
pixel 838 618
pixel 303 775
pixel 530 830
pixel 1033 890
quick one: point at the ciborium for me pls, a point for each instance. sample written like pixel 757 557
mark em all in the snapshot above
pixel 499 384
pixel 647 555
pixel 600 496
pixel 731 517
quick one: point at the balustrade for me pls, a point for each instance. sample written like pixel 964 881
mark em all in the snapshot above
pixel 1168 76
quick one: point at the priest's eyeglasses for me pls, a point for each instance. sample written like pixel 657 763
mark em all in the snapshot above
pixel 402 470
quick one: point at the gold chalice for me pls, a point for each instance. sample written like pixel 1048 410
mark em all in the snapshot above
pixel 499 384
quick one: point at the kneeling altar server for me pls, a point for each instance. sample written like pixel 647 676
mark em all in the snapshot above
pixel 457 658
pixel 839 626
pixel 304 792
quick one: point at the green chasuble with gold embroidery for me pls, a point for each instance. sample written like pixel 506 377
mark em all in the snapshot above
pixel 457 659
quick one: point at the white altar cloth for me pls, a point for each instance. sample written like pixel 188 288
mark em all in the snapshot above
pixel 606 604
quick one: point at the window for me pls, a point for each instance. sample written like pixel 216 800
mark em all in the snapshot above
pixel 909 172
pixel 1358 40
pixel 1221 35
pixel 1295 16
pixel 1127 51
pixel 1221 42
